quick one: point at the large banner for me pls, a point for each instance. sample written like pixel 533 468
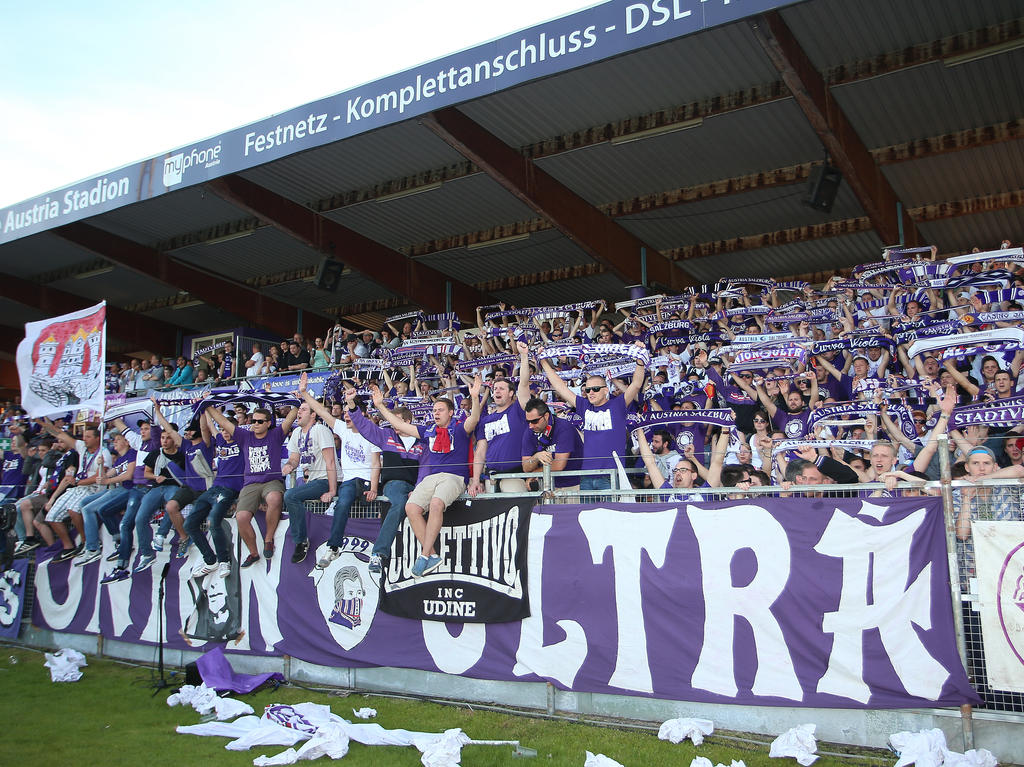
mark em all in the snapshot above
pixel 483 576
pixel 12 598
pixel 787 602
pixel 61 363
pixel 999 555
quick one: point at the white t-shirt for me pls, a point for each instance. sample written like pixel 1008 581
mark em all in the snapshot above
pixel 309 447
pixel 257 360
pixel 355 453
pixel 88 463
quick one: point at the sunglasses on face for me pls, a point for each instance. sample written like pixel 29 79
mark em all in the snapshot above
pixel 538 419
pixel 260 420
pixel 592 389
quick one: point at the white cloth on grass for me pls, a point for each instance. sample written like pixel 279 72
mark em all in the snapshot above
pixel 206 700
pixel 600 760
pixel 364 713
pixel 797 742
pixel 927 748
pixel 64 665
pixel 330 740
pixel 678 730
pixel 703 761
pixel 444 750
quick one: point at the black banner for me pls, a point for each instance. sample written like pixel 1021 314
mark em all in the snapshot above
pixel 482 578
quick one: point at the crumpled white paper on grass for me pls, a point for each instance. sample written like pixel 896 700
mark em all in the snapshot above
pixel 703 761
pixel 64 665
pixel 927 748
pixel 364 713
pixel 678 730
pixel 206 700
pixel 600 760
pixel 797 742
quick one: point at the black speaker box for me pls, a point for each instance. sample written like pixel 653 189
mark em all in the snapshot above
pixel 822 188
pixel 328 276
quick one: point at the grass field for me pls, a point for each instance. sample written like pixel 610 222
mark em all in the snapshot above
pixel 110 717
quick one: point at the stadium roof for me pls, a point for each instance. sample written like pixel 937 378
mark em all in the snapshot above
pixel 660 141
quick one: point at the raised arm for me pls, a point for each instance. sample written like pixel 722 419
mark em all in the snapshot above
pixel 962 381
pixel 561 387
pixel 221 420
pixel 400 426
pixel 523 389
pixel 61 436
pixel 638 379
pixel 474 415
pixel 164 423
pixel 718 453
pixel 313 403
pixel 946 405
pixel 657 478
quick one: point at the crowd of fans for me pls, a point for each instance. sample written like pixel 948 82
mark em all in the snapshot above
pixel 749 382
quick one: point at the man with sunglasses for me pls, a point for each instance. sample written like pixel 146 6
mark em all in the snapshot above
pixel 604 420
pixel 551 441
pixel 261 446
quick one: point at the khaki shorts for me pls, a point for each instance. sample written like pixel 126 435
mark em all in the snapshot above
pixel 251 495
pixel 442 485
pixel 36 501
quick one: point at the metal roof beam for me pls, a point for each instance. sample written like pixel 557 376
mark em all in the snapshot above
pixel 135 330
pixel 389 268
pixel 835 130
pixel 588 227
pixel 232 297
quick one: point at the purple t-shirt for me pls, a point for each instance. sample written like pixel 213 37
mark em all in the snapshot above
pixel 12 479
pixel 560 437
pixel 793 425
pixel 121 460
pixel 262 456
pixel 193 480
pixel 504 434
pixel 455 460
pixel 604 431
pixel 230 466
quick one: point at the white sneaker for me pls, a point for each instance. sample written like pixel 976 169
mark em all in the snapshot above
pixel 158 543
pixel 330 556
pixel 204 569
pixel 224 569
pixel 87 556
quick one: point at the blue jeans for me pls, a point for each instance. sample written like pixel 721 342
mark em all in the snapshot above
pixel 295 504
pixel 155 499
pixel 131 511
pixel 215 504
pixel 397 492
pixel 347 494
pixel 103 506
pixel 600 482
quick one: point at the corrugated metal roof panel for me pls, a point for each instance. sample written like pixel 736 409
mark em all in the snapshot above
pixel 934 99
pixel 757 212
pixel 837 32
pixel 542 251
pixel 355 163
pixel 202 319
pixel 160 218
pixel 606 286
pixel 459 206
pixel 765 137
pixel 266 251
pixel 41 253
pixel 983 230
pixel 678 72
pixel 970 173
pixel 119 287
pixel 784 261
pixel 353 288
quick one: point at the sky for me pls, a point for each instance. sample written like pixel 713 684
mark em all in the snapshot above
pixel 89 87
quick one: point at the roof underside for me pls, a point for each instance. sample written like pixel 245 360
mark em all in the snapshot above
pixel 661 189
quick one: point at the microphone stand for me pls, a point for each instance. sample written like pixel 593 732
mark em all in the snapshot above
pixel 161 683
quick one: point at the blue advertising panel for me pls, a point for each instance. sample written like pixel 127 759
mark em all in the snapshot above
pixel 581 38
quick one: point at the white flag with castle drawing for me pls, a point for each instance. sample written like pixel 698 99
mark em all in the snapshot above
pixel 62 361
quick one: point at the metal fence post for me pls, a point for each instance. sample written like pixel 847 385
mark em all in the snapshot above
pixel 966 711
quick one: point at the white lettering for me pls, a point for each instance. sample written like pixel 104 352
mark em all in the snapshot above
pixel 629 536
pixel 454 654
pixel 721 535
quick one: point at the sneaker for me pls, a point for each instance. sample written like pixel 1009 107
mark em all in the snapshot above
pixel 417 568
pixel 182 551
pixel 115 556
pixel 31 543
pixel 268 549
pixel 65 555
pixel 158 543
pixel 204 569
pixel 119 574
pixel 250 560
pixel 301 549
pixel 433 562
pixel 375 564
pixel 145 562
pixel 87 556
pixel 158 516
pixel 333 553
pixel 224 569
